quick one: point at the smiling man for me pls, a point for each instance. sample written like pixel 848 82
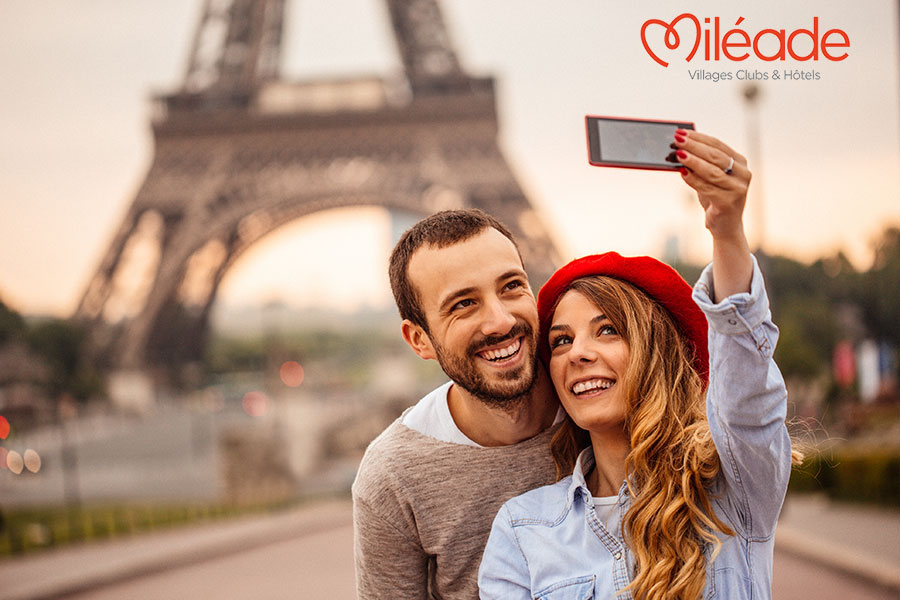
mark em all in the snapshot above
pixel 430 485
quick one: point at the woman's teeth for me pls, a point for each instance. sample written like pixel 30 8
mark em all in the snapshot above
pixel 594 384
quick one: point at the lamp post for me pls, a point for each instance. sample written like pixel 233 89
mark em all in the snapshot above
pixel 752 94
pixel 66 413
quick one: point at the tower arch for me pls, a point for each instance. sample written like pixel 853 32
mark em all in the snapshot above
pixel 239 152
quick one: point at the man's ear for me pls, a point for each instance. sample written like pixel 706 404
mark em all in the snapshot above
pixel 417 339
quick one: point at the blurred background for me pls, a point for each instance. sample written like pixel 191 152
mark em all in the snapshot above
pixel 199 199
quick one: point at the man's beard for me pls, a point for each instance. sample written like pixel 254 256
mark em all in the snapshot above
pixel 510 388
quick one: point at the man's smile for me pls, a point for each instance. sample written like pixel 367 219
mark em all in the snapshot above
pixel 502 353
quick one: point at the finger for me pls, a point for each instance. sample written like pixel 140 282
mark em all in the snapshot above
pixel 713 173
pixel 711 154
pixel 715 157
pixel 697 184
pixel 703 188
pixel 708 140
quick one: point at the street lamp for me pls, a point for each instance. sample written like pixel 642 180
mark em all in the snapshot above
pixel 752 94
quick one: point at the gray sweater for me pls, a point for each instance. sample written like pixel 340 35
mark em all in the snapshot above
pixel 423 508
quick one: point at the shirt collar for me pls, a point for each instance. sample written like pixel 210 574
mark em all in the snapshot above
pixel 583 464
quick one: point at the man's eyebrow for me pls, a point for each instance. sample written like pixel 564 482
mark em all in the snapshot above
pixel 513 273
pixel 447 302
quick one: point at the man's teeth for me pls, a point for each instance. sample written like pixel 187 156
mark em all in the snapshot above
pixel 502 352
pixel 593 384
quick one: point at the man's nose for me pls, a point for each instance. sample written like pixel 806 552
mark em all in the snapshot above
pixel 498 319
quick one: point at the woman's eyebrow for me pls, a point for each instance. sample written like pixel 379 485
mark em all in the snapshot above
pixel 563 326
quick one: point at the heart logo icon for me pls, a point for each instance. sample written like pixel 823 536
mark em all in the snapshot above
pixel 671 38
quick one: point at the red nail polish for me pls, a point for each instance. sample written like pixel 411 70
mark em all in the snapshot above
pixel 681 154
pixel 683 170
pixel 679 138
pixel 681 132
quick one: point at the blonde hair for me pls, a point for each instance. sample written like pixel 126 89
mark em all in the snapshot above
pixel 672 461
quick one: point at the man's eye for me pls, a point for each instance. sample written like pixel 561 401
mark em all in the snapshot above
pixel 462 304
pixel 514 284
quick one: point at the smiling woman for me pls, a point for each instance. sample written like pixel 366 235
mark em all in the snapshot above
pixel 672 400
pixel 589 357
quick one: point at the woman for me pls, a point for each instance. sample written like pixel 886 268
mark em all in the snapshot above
pixel 675 450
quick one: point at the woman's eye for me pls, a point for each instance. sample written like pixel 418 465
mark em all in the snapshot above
pixel 608 330
pixel 559 341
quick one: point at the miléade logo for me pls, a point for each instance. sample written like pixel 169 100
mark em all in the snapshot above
pixel 737 43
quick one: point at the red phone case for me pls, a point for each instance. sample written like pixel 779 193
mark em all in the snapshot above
pixel 593 147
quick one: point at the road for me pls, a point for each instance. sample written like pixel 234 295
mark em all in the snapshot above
pixel 320 565
pixel 798 579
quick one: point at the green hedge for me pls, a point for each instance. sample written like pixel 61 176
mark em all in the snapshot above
pixel 30 529
pixel 854 475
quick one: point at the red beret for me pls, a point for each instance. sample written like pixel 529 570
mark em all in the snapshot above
pixel 656 279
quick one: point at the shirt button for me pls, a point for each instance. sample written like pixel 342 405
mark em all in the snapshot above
pixel 617 555
pixel 732 322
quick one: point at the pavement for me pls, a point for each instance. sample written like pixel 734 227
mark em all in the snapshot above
pixel 861 541
pixel 70 570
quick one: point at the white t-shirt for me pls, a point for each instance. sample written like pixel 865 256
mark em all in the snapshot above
pixel 604 508
pixel 431 416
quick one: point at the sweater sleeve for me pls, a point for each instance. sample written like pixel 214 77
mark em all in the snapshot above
pixel 389 564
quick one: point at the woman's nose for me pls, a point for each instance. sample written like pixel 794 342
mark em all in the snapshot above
pixel 582 351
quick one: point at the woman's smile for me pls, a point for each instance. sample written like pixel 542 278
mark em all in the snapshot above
pixel 591 386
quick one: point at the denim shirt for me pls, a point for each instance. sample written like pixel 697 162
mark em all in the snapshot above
pixel 549 543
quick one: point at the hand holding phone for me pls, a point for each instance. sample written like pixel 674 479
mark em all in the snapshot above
pixel 632 143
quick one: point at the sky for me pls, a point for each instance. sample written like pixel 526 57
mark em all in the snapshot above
pixel 75 139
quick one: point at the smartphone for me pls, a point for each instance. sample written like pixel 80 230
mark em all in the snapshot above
pixel 632 143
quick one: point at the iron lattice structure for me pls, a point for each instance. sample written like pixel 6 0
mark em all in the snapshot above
pixel 240 152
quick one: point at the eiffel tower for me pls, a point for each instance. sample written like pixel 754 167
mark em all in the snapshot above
pixel 240 152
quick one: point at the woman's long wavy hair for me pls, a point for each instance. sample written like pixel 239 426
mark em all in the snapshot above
pixel 672 461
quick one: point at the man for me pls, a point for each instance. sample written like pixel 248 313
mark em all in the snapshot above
pixel 430 485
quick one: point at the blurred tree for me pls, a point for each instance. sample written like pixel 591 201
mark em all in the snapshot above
pixel 803 301
pixel 12 325
pixel 231 354
pixel 881 286
pixel 690 273
pixel 808 335
pixel 61 343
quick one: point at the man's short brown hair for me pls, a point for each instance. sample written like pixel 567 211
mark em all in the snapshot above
pixel 440 230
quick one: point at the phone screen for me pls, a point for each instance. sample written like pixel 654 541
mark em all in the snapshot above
pixel 633 143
